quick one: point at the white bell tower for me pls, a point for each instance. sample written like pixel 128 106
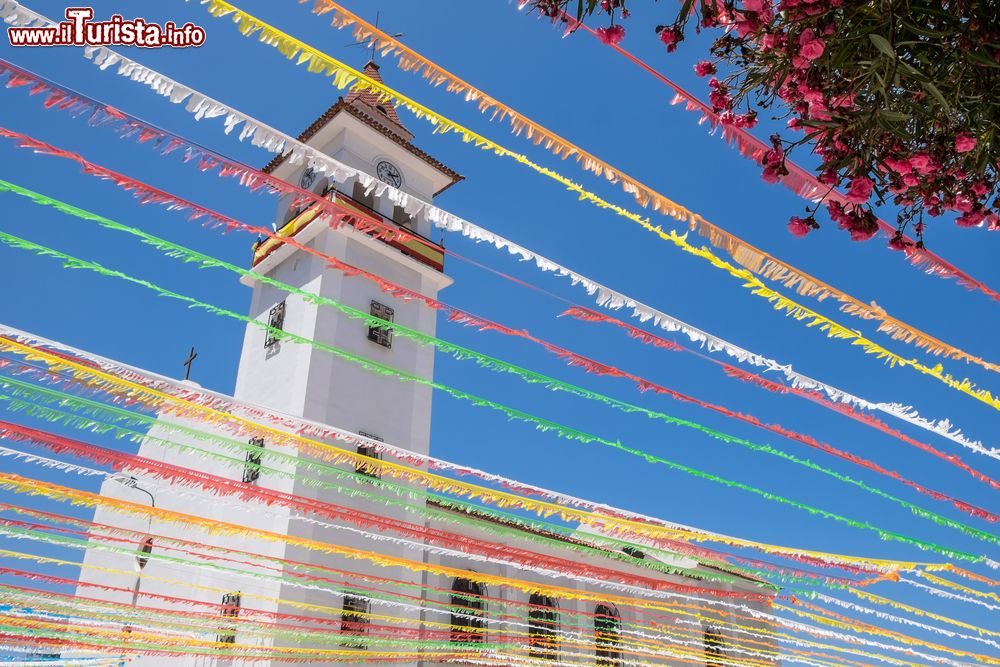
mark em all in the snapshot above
pixel 363 132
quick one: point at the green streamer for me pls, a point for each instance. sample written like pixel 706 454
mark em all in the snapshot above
pixel 461 353
pixel 53 415
pixel 541 424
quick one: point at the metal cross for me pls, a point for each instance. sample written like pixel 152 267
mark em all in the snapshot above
pixel 374 39
pixel 192 355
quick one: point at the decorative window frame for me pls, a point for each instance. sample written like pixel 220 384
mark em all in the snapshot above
pixel 251 471
pixel 231 603
pixel 275 320
pixel 372 453
pixel 381 335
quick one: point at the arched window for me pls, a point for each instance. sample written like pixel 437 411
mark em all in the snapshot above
pixel 608 636
pixel 144 550
pixel 714 644
pixel 468 612
pixel 543 621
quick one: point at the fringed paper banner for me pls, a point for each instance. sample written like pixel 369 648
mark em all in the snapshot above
pixel 560 430
pixel 742 252
pixel 494 364
pixel 292 47
pixel 807 388
pixel 611 519
pixel 956 586
pixel 19 484
pixel 803 183
pixel 827 617
pixel 718 616
pixel 941 593
pixel 877 599
pixel 606 298
pixel 458 546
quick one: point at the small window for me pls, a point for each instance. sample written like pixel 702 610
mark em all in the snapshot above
pixel 275 323
pixel 468 612
pixel 144 550
pixel 381 335
pixel 543 621
pixel 230 612
pixel 402 218
pixel 354 620
pixel 608 636
pixel 714 643
pixel 358 194
pixel 371 452
pixel 633 552
pixel 251 471
pixel 382 109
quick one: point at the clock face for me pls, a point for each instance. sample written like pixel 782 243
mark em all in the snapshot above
pixel 388 173
pixel 308 178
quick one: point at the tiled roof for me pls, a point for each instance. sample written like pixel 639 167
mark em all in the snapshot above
pixel 365 107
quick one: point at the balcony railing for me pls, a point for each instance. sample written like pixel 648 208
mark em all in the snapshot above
pixel 420 248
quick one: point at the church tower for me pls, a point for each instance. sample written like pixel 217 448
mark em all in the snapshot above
pixel 365 133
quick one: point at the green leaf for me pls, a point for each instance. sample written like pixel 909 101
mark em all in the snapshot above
pixel 883 45
pixel 894 116
pixel 932 89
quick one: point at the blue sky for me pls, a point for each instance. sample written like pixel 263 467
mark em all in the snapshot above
pixel 595 98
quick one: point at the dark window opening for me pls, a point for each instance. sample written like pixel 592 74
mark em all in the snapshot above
pixel 251 471
pixel 230 612
pixel 144 550
pixel 633 552
pixel 714 643
pixel 608 636
pixel 543 621
pixel 275 323
pixel 468 612
pixel 354 619
pixel 377 334
pixel 358 194
pixel 402 218
pixel 382 109
pixel 371 452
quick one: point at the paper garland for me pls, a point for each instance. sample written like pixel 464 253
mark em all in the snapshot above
pixel 491 363
pixel 343 76
pixel 743 253
pixel 607 517
pixel 147 193
pixel 562 431
pixel 101 113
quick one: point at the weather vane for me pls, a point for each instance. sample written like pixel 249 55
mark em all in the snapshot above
pixel 374 39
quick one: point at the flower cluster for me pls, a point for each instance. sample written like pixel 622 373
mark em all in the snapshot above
pixel 895 101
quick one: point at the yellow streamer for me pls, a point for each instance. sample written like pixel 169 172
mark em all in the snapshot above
pixel 292 47
pixel 102 380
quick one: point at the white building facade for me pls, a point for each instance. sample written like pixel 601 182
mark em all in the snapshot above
pixel 300 381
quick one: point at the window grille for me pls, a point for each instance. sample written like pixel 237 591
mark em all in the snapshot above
pixel 381 335
pixel 144 551
pixel 714 647
pixel 370 452
pixel 608 636
pixel 468 615
pixel 354 619
pixel 230 610
pixel 251 471
pixel 275 321
pixel 543 621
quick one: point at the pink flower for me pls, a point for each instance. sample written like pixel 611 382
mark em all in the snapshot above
pixel 860 190
pixel 970 219
pixel 810 46
pixel 671 37
pixel 898 243
pixel 704 68
pixel 899 166
pixel 611 35
pixel 964 143
pixel 798 227
pixel 923 163
pixel 753 5
pixel 911 180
